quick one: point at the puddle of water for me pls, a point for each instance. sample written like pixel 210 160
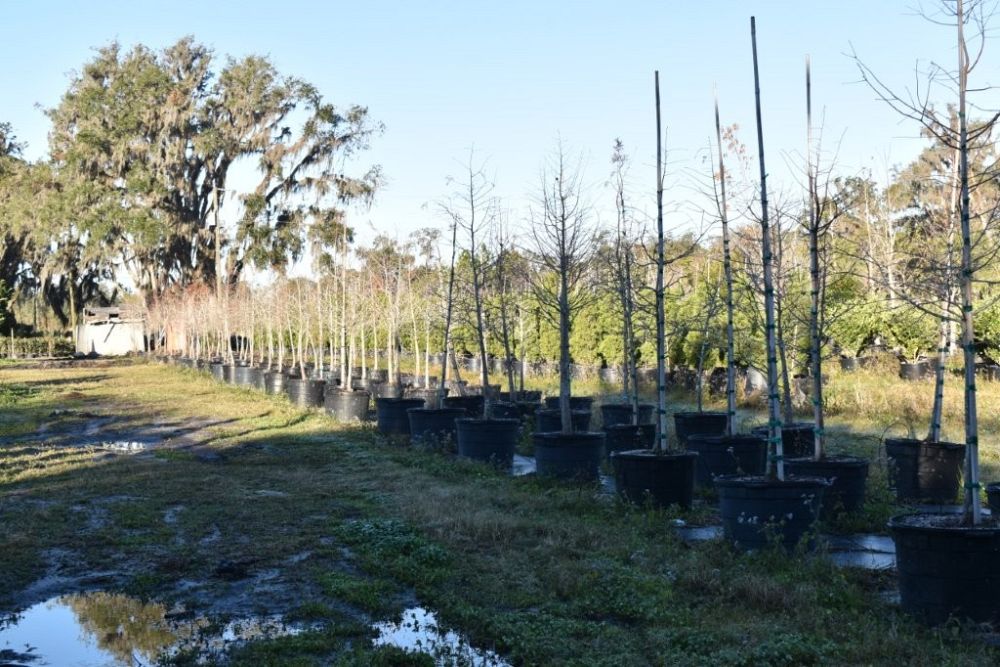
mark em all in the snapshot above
pixel 125 446
pixel 523 465
pixel 699 533
pixel 110 630
pixel 867 560
pixel 418 631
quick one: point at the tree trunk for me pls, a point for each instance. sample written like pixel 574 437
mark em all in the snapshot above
pixel 661 349
pixel 972 500
pixel 728 269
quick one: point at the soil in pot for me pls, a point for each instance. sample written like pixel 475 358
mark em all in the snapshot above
pixel 701 423
pixel 928 471
pixel 945 569
pixel 305 393
pixel 797 438
pixel 727 455
pixel 392 418
pixel 434 428
pixel 646 476
pixel 575 402
pixel 471 404
pixel 625 437
pixel 568 455
pixel 757 511
pixel 551 420
pixel 847 475
pixel 347 406
pixel 621 413
pixel 489 440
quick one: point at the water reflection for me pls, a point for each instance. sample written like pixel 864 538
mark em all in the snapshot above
pixel 110 630
pixel 418 631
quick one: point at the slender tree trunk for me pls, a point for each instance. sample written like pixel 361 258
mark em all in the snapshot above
pixel 816 287
pixel 776 464
pixel 727 266
pixel 661 349
pixel 972 500
pixel 448 307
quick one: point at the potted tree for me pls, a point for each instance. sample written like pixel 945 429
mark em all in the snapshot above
pixel 755 507
pixel 487 438
pixel 561 227
pixel 436 425
pixel 946 562
pixel 847 474
pixel 661 474
pixel 628 424
pixel 729 453
pixel 346 402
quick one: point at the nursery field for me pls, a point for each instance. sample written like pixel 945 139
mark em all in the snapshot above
pixel 177 519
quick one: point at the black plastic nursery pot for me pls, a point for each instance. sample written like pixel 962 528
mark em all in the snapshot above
pixel 526 396
pixel 260 379
pixel 217 370
pixel 347 406
pixel 727 455
pixel 381 374
pixel 551 420
pixel 471 404
pixel 575 402
pixel 700 423
pixel 797 439
pixel 993 497
pixel 913 371
pixel 568 455
pixel 430 396
pixel 528 408
pixel 847 475
pixel 391 416
pixel 945 569
pixel 274 381
pixel 243 376
pixel 662 479
pixel 386 390
pixel 305 393
pixel 505 410
pixel 625 437
pixel 928 471
pixel 621 413
pixel 849 364
pixel 433 426
pixel 490 440
pixel 758 511
pixel 229 373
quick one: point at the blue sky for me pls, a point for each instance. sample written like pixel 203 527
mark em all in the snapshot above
pixel 509 77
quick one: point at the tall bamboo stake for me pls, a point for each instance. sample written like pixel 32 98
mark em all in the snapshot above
pixel 775 463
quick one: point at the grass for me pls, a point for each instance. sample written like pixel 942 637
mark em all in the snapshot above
pixel 346 529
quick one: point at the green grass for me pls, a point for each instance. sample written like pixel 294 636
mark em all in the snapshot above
pixel 357 529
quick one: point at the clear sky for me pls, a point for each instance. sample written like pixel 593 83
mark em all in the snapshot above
pixel 508 77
